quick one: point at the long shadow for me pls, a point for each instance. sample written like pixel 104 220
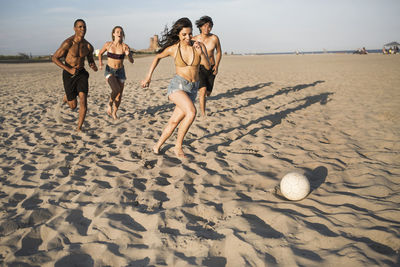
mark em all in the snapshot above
pixel 275 120
pixel 229 94
pixel 152 110
pixel 238 91
pixel 156 109
pixel 282 91
pixel 300 87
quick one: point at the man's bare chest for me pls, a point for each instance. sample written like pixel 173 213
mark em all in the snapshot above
pixel 78 50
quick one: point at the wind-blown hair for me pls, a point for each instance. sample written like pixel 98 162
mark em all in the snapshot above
pixel 171 37
pixel 203 20
pixel 122 32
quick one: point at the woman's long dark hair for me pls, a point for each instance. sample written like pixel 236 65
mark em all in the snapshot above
pixel 171 37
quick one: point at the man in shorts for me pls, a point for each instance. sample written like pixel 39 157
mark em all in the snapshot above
pixel 212 44
pixel 75 77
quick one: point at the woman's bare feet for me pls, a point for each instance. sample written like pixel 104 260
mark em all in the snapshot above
pixel 179 152
pixel 114 115
pixel 65 99
pixel 156 149
pixel 109 108
pixel 114 112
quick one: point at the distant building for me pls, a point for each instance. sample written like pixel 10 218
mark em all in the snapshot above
pixel 153 43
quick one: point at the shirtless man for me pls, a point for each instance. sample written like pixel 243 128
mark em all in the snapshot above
pixel 75 77
pixel 211 41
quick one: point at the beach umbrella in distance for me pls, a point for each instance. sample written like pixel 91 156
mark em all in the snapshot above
pixel 392 44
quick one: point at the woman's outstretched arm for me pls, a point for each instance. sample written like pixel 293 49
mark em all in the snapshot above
pixel 167 52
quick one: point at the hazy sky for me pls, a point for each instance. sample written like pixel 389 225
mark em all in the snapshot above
pixel 39 26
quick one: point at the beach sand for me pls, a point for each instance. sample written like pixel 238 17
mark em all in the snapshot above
pixel 101 198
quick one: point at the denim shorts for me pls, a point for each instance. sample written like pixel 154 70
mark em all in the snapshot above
pixel 179 83
pixel 118 73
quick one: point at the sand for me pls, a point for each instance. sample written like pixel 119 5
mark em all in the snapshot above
pixel 101 198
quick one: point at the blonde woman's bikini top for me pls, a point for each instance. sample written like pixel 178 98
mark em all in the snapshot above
pixel 114 56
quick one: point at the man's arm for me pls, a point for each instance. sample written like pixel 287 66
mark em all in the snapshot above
pixel 62 52
pixel 218 55
pixel 205 61
pixel 90 58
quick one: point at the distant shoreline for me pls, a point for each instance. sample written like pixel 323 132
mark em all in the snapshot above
pixel 141 55
pixel 371 51
pixel 17 61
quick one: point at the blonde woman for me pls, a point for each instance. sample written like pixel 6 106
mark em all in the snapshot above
pixel 115 71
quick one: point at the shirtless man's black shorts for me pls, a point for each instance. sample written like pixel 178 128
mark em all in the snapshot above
pixel 207 78
pixel 73 84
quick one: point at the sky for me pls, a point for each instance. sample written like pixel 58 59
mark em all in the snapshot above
pixel 38 27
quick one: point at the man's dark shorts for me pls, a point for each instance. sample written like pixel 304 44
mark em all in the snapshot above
pixel 206 78
pixel 73 84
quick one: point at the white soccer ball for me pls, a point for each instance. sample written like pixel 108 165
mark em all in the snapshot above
pixel 295 186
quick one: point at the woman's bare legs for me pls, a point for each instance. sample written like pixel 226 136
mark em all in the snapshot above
pixel 184 113
pixel 109 107
pixel 202 101
pixel 173 122
pixel 117 100
pixel 116 91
